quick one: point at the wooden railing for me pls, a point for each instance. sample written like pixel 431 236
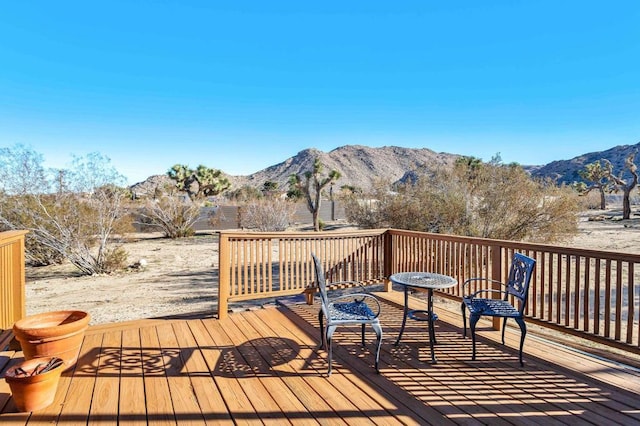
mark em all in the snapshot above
pixel 257 265
pixel 11 278
pixel 589 293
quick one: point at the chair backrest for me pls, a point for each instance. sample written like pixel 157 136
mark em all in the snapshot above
pixel 520 277
pixel 322 284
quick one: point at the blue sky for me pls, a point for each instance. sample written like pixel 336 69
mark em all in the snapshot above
pixel 243 85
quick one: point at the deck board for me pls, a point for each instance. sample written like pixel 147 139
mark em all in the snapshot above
pixel 104 407
pixel 132 406
pixel 264 367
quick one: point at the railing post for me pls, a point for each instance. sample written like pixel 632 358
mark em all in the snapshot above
pixel 388 259
pixel 224 277
pixel 496 274
pixel 12 279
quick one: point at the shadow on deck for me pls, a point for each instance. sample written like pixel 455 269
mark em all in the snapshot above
pixel 263 366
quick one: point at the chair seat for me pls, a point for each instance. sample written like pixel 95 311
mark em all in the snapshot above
pixel 356 311
pixel 491 307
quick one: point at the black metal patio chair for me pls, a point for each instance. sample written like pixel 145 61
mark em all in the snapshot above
pixel 516 288
pixel 347 309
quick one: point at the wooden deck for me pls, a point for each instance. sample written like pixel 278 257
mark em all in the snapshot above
pixel 263 367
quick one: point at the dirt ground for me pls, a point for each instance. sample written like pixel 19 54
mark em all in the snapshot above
pixel 179 276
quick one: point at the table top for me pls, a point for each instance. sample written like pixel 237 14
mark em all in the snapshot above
pixel 423 280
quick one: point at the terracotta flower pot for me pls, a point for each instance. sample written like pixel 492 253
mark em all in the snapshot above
pixel 52 334
pixel 32 391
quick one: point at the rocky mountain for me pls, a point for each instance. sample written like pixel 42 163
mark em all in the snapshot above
pixel 359 166
pixel 566 171
pixel 362 166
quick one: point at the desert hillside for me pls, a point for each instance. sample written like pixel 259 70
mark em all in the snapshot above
pixel 362 166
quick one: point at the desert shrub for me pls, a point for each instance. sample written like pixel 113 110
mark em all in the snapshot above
pixel 15 213
pixel 115 259
pixel 77 214
pixel 268 215
pixel 244 194
pixel 488 200
pixel 79 228
pixel 172 214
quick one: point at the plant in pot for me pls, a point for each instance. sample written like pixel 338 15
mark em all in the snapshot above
pixel 52 334
pixel 34 382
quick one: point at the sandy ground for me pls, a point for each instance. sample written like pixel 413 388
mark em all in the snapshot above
pixel 179 277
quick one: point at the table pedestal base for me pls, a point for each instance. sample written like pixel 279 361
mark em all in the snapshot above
pixel 421 315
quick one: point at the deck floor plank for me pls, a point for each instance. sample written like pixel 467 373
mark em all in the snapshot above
pixel 157 393
pixel 104 408
pixel 132 399
pixel 265 367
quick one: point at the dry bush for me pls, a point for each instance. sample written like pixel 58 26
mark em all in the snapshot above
pixel 13 216
pixel 83 229
pixel 172 214
pixel 75 214
pixel 267 215
pixel 489 201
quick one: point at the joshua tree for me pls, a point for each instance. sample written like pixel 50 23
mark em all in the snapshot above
pixel 311 188
pixel 203 181
pixel 599 175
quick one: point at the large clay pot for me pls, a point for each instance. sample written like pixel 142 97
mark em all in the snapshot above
pixel 52 334
pixel 32 392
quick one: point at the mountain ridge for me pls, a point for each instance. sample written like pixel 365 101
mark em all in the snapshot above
pixel 362 166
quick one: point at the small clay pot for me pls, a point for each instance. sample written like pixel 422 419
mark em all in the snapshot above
pixel 34 391
pixel 52 334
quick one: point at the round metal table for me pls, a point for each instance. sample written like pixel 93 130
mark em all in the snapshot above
pixel 428 281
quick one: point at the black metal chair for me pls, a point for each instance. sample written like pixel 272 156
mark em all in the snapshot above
pixel 348 309
pixel 517 287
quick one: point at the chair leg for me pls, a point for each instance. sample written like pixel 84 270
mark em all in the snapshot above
pixel 322 330
pixel 504 327
pixel 378 329
pixel 330 330
pixel 473 320
pixel 464 319
pixel 363 335
pixel 523 333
